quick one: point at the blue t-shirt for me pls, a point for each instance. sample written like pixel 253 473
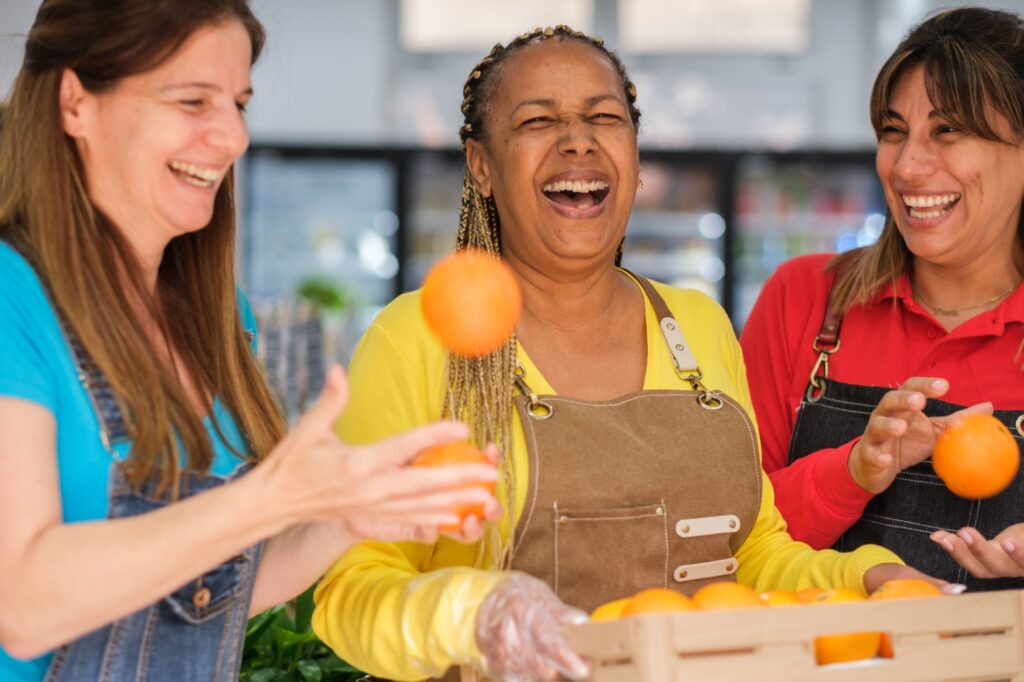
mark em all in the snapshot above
pixel 36 365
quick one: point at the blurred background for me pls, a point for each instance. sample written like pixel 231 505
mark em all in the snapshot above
pixel 755 145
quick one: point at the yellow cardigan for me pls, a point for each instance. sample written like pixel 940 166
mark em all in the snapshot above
pixel 407 611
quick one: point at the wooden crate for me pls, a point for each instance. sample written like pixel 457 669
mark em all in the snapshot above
pixel 972 637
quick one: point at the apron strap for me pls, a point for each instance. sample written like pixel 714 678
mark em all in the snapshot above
pixel 827 341
pixel 686 363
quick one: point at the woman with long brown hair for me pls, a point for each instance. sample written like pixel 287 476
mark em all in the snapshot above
pixel 134 539
pixel 858 361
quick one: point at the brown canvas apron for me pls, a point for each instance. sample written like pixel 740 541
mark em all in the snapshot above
pixel 653 489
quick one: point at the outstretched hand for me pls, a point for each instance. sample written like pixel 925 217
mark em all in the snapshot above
pixel 899 434
pixel 370 489
pixel 1000 557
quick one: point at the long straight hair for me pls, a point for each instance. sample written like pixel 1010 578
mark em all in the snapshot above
pixel 91 271
pixel 973 62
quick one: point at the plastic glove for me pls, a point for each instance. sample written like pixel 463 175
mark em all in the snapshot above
pixel 519 633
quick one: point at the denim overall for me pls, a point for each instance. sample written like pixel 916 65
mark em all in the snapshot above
pixel 195 633
pixel 917 503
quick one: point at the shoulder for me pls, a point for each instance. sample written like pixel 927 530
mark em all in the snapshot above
pixel 22 294
pixel 401 330
pixel 804 270
pixel 15 270
pixel 693 307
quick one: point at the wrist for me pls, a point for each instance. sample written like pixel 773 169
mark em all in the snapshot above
pixel 269 501
pixel 853 463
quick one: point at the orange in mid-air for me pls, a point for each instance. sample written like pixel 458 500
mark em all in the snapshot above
pixel 902 588
pixel 472 302
pixel 844 647
pixel 726 595
pixel 656 600
pixel 456 452
pixel 976 457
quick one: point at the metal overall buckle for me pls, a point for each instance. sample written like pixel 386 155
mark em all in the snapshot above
pixel 818 382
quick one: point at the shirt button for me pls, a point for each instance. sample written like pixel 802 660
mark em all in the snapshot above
pixel 201 599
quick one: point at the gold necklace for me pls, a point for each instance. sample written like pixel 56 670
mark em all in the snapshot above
pixel 953 312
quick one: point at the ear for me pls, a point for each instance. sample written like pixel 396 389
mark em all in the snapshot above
pixel 479 164
pixel 73 96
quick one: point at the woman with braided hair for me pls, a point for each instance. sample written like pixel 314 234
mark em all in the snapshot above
pixel 631 457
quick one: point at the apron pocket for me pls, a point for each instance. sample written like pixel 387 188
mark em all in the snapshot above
pixel 605 554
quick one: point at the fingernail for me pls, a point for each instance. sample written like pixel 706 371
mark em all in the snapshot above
pixel 946 545
pixel 953 588
pixel 939 384
pixel 966 537
pixel 578 619
pixel 916 400
pixel 1008 546
pixel 936 535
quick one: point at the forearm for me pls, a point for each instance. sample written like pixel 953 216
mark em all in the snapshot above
pixel 294 559
pixel 94 573
pixel 818 497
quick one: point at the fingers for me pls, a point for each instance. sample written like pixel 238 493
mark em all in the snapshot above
pixel 981 558
pixel 402 449
pixel 320 418
pixel 930 387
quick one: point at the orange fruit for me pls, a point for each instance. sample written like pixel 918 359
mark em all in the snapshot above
pixel 726 595
pixel 808 595
pixel 656 600
pixel 902 588
pixel 976 457
pixel 472 302
pixel 780 598
pixel 609 611
pixel 456 452
pixel 853 646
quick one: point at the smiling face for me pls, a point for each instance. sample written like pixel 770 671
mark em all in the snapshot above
pixel 559 156
pixel 955 197
pixel 156 147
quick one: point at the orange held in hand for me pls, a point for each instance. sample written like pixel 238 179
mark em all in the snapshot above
pixel 976 456
pixel 472 302
pixel 456 452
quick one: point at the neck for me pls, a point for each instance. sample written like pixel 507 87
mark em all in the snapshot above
pixel 971 288
pixel 569 302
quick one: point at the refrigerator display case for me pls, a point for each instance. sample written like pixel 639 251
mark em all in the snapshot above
pixel 789 205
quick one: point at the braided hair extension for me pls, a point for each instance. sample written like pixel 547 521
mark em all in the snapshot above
pixel 480 390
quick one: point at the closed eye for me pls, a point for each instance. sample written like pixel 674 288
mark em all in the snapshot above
pixel 605 117
pixel 537 121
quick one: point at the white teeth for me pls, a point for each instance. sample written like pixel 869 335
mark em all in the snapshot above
pixel 577 186
pixel 202 177
pixel 928 201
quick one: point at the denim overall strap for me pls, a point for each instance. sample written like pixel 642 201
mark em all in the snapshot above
pixel 194 634
pixel 917 503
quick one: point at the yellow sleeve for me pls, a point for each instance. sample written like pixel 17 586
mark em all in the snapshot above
pixel 384 607
pixel 770 558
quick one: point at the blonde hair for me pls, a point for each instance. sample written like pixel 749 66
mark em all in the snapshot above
pixel 973 62
pixel 479 391
pixel 86 263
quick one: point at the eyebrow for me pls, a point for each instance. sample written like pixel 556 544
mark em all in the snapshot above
pixel 204 86
pixel 933 114
pixel 550 103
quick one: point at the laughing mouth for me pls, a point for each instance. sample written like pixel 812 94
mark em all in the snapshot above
pixel 931 205
pixel 578 194
pixel 197 176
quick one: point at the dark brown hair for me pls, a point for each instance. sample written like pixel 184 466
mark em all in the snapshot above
pixel 973 61
pixel 87 264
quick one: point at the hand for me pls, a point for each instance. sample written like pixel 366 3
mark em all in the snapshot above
pixel 369 489
pixel 899 435
pixel 1000 557
pixel 875 576
pixel 519 632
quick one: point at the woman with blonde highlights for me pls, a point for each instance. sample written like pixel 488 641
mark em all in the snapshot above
pixel 621 405
pixel 150 499
pixel 858 361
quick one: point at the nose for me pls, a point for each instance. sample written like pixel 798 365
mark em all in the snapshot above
pixel 915 159
pixel 577 138
pixel 229 133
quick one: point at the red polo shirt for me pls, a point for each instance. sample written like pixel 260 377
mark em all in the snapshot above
pixel 883 343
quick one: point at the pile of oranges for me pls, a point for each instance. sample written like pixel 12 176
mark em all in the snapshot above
pixel 839 648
